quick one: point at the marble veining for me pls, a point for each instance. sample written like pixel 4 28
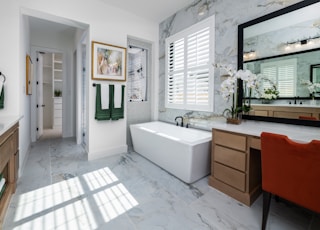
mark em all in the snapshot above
pixel 228 15
pixel 127 191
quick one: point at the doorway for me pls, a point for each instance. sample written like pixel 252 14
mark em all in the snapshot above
pixel 139 83
pixel 52 83
pixel 53 110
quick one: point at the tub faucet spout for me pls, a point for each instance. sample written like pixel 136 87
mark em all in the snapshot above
pixel 181 124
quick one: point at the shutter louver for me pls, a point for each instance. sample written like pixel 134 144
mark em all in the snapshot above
pixel 198 73
pixel 286 81
pixel 176 72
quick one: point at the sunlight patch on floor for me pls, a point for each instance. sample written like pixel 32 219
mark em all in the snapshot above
pixel 75 203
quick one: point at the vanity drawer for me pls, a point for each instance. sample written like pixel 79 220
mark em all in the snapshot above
pixel 231 140
pixel 292 115
pixel 230 157
pixel 6 149
pixel 255 143
pixel 230 176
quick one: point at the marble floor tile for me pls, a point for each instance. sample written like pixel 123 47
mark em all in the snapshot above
pixel 60 189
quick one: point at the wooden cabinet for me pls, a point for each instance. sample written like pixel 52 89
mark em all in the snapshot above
pixel 289 111
pixel 9 165
pixel 57 112
pixel 236 165
pixel 57 74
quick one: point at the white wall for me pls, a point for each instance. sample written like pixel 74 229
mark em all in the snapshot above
pixel 25 101
pixel 107 24
pixel 59 42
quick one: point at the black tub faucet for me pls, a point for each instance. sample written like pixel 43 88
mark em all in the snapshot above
pixel 181 124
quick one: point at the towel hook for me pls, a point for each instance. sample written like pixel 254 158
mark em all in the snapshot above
pixel 4 77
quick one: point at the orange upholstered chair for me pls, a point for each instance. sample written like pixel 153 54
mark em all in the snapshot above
pixel 307 118
pixel 290 170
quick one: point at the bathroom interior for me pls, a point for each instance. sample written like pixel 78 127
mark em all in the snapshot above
pixel 185 130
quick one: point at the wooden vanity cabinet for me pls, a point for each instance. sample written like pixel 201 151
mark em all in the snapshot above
pixel 9 165
pixel 236 165
pixel 292 112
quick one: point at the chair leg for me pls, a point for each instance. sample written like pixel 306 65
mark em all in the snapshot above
pixel 266 207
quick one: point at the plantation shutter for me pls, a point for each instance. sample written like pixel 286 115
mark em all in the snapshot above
pixel 286 81
pixel 271 73
pixel 176 72
pixel 198 70
pixel 283 74
pixel 189 58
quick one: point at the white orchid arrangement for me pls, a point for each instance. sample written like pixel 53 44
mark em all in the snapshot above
pixel 269 93
pixel 312 87
pixel 229 87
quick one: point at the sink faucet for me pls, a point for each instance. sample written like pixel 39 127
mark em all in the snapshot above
pixel 181 124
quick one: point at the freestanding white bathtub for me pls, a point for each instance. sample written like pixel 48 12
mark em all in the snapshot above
pixel 183 152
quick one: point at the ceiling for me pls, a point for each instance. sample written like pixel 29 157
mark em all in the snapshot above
pixel 154 10
pixel 37 24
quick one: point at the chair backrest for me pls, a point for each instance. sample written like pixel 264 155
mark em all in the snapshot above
pixel 291 170
pixel 307 118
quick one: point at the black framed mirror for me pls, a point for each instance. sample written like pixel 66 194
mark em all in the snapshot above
pixel 315 73
pixel 290 35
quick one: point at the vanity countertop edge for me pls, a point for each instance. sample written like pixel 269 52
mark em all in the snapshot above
pixel 296 133
pixel 6 122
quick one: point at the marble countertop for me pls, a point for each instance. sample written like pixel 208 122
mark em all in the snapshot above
pixel 6 122
pixel 297 133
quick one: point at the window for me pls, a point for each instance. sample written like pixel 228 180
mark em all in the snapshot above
pixel 137 74
pixel 189 58
pixel 283 74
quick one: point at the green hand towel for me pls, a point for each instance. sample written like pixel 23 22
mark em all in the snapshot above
pixel 2 98
pixel 117 113
pixel 102 114
pixel 2 190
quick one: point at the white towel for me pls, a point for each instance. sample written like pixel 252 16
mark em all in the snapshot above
pixel 117 96
pixel 2 182
pixel 1 84
pixel 104 96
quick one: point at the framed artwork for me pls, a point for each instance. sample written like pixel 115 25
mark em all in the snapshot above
pixel 29 75
pixel 108 62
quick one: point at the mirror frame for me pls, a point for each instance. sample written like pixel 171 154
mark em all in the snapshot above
pixel 241 27
pixel 312 67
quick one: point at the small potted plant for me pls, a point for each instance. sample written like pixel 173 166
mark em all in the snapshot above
pixel 57 93
pixel 269 94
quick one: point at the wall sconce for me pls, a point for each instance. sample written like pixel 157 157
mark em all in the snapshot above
pixel 312 42
pixel 203 9
pixel 247 55
pixel 224 77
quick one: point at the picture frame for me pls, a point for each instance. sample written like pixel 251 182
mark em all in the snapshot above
pixel 29 75
pixel 108 62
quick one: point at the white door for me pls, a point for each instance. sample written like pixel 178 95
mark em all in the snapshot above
pixel 39 95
